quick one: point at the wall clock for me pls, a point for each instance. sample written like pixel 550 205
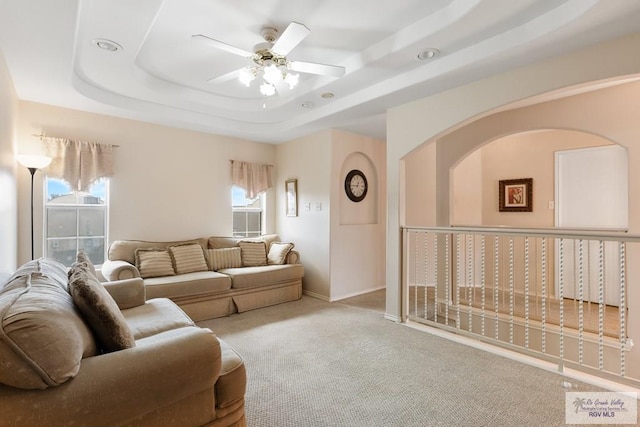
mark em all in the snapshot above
pixel 355 185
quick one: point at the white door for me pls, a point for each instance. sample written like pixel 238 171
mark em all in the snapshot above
pixel 592 194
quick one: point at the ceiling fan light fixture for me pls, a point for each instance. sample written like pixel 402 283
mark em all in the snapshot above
pixel 267 89
pixel 247 75
pixel 272 74
pixel 292 80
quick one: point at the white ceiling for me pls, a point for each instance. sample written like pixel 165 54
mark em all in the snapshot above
pixel 161 74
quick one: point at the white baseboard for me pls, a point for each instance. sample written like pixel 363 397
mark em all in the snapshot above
pixel 316 296
pixel 355 294
pixel 388 316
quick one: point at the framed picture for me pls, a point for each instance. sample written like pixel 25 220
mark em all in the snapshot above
pixel 515 195
pixel 291 191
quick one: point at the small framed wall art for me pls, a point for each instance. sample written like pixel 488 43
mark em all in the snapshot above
pixel 515 195
pixel 291 192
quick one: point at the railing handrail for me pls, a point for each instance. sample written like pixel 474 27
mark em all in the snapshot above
pixel 568 233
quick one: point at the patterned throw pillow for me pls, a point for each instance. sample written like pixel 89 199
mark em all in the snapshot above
pixel 278 253
pixel 188 258
pixel 154 263
pixel 225 258
pixel 253 253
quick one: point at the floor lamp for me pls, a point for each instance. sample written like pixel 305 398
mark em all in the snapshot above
pixel 33 163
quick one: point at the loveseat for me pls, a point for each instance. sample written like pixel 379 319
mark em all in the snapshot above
pixel 77 352
pixel 211 277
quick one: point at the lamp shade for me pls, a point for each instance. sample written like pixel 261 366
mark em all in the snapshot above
pixel 33 160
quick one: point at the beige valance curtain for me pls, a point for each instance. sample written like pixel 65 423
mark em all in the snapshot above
pixel 254 178
pixel 78 163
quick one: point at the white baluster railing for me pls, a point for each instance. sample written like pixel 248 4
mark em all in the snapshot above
pixel 560 295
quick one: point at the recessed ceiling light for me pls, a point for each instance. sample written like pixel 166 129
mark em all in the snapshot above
pixel 327 95
pixel 427 54
pixel 105 44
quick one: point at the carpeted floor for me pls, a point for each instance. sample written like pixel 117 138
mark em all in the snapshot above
pixel 314 363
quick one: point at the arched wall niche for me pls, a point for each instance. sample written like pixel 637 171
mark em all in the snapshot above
pixel 365 211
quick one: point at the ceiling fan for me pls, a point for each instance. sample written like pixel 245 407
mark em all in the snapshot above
pixel 271 62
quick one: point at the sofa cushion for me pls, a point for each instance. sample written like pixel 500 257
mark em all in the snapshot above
pixel 155 316
pixel 201 282
pixel 223 242
pixel 99 310
pixel 232 383
pixel 48 267
pixel 225 258
pixel 255 277
pixel 125 250
pixel 278 253
pixel 253 253
pixel 216 242
pixel 43 337
pixel 153 262
pixel 188 258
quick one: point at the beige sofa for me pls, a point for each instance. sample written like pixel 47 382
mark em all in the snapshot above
pixel 215 289
pixel 58 365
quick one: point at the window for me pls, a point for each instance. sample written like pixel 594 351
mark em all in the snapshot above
pixel 247 213
pixel 75 221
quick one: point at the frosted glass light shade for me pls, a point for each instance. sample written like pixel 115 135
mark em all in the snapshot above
pixel 272 74
pixel 33 160
pixel 267 90
pixel 292 80
pixel 246 76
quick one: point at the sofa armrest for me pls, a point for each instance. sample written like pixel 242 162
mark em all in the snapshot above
pixel 293 257
pixel 118 270
pixel 116 388
pixel 127 293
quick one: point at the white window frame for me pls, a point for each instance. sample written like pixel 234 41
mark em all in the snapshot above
pixel 78 207
pixel 247 209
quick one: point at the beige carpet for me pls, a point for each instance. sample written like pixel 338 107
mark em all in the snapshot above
pixel 314 363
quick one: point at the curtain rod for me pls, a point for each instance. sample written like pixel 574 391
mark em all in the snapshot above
pixel 231 160
pixel 44 136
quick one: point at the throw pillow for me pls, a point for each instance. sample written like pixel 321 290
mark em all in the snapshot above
pixel 278 253
pixel 154 263
pixel 83 258
pixel 253 253
pixel 188 258
pixel 99 310
pixel 225 258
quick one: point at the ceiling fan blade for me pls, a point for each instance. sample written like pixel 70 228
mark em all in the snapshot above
pixel 290 38
pixel 224 77
pixel 222 46
pixel 315 68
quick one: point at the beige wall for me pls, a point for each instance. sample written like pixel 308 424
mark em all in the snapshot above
pixel 8 171
pixel 169 183
pixel 420 186
pixel 357 229
pixel 522 155
pixel 341 258
pixel 308 160
pixel 407 129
